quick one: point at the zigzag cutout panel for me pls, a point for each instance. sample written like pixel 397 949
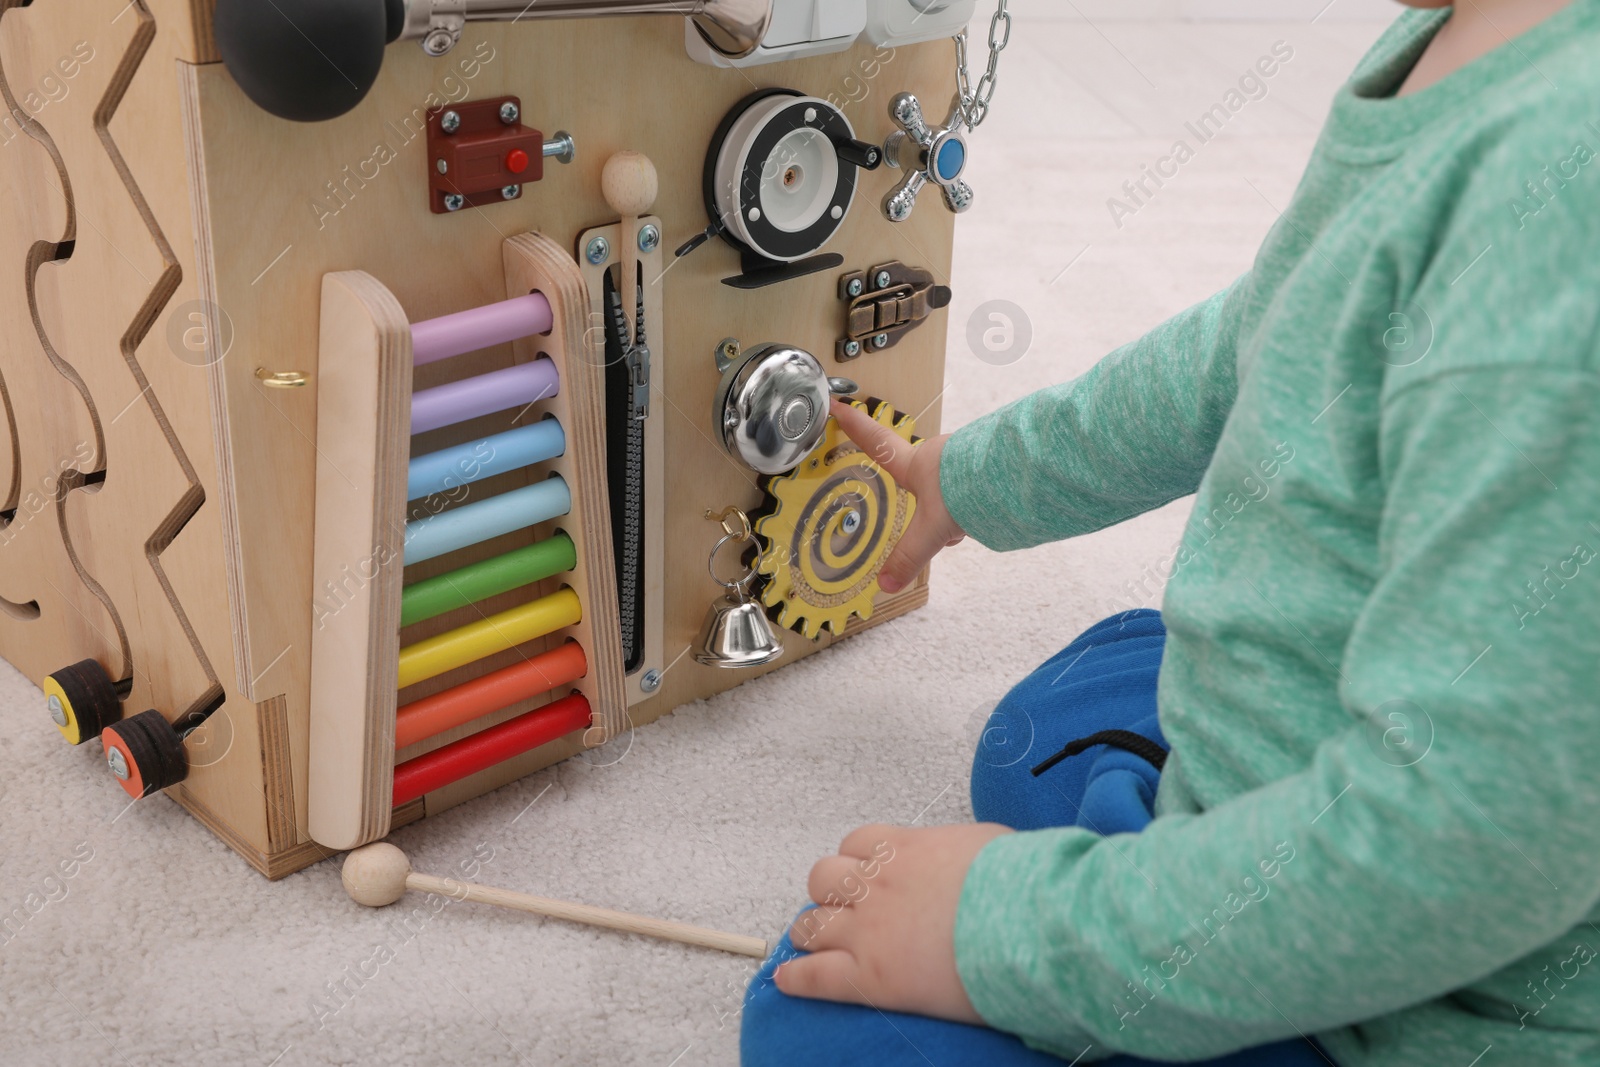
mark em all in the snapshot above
pixel 111 548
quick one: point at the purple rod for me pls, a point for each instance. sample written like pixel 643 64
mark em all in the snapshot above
pixel 469 331
pixel 514 387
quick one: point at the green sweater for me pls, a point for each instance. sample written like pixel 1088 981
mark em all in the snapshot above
pixel 1380 823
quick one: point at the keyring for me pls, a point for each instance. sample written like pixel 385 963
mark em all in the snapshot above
pixel 742 585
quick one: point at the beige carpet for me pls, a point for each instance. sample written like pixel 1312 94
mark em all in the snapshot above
pixel 161 948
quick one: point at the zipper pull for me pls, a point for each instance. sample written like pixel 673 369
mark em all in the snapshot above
pixel 639 376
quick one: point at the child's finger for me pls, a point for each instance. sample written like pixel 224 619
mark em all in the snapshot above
pixel 870 841
pixel 825 929
pixel 838 878
pixel 885 447
pixel 830 975
pixel 921 542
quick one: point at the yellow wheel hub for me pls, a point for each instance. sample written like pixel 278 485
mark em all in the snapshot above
pixel 62 712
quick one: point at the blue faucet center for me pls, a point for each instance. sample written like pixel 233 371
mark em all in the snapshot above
pixel 952 157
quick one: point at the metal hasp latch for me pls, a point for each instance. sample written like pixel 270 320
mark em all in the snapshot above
pixel 479 152
pixel 884 304
pixel 927 155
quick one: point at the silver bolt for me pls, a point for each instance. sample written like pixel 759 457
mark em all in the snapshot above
pixel 881 341
pixel 57 712
pixel 852 522
pixel 856 287
pixel 117 762
pixel 510 113
pixel 598 251
pixel 450 121
pixel 438 43
pixel 883 279
pixel 852 348
pixel 511 192
pixel 651 681
pixel 561 147
pixel 454 202
pixel 442 167
pixel 649 238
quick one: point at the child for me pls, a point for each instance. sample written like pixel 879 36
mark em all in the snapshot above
pixel 1376 839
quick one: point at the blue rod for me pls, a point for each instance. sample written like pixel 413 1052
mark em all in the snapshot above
pixel 447 531
pixel 451 468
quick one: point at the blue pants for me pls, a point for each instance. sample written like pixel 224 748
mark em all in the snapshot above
pixel 1105 681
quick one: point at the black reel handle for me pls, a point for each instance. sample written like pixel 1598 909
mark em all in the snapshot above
pixel 859 154
pixel 306 60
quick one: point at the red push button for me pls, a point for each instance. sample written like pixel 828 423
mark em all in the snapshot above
pixel 516 161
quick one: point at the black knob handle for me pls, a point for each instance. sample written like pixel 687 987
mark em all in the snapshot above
pixel 859 154
pixel 306 60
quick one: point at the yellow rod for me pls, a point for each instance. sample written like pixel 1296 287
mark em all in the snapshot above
pixel 475 641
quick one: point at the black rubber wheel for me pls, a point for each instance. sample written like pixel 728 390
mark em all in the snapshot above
pixel 306 60
pixel 82 700
pixel 145 754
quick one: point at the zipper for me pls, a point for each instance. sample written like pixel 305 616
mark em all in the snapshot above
pixel 627 408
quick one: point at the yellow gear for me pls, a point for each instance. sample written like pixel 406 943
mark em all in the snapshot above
pixel 827 529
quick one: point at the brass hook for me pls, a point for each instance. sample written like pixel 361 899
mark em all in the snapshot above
pixel 741 530
pixel 288 379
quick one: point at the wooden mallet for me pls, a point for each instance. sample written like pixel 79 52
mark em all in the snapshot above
pixel 378 875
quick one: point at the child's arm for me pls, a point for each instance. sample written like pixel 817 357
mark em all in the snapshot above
pixel 1134 433
pixel 1356 887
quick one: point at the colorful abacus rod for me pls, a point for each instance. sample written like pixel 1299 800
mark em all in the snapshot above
pixel 518 509
pixel 486 637
pixel 479 581
pixel 470 398
pixel 470 701
pixel 488 748
pixel 481 327
pixel 451 468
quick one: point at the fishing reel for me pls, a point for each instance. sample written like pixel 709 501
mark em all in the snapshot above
pixel 779 181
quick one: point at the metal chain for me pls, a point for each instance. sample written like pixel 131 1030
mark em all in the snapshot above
pixel 975 101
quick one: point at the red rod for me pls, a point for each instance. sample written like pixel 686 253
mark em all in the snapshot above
pixel 461 704
pixel 466 757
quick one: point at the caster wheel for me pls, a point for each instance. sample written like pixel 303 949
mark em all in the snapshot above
pixel 145 754
pixel 82 700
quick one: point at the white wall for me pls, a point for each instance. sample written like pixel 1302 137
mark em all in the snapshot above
pixel 1141 10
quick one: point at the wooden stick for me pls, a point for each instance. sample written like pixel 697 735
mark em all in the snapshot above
pixel 630 187
pixel 380 874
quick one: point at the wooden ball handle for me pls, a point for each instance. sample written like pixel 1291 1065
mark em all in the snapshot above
pixel 630 186
pixel 380 874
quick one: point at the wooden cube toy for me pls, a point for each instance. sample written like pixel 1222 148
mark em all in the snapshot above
pixel 352 468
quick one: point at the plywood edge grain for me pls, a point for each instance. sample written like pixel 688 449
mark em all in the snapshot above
pixel 534 262
pixel 363 435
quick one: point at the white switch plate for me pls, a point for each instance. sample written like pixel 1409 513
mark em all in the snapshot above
pixel 898 22
pixel 799 28
pixel 816 27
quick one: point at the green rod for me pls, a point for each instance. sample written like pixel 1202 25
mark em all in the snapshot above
pixel 491 577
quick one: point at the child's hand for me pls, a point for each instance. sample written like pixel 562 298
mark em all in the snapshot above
pixel 916 468
pixel 885 932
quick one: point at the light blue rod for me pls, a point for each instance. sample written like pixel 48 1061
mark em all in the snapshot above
pixel 449 530
pixel 451 468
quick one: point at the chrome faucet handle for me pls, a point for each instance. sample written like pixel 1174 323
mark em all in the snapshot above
pixel 928 155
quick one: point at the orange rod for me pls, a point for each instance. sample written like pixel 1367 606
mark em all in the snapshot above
pixel 460 704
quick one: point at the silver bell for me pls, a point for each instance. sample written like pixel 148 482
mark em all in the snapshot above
pixel 771 408
pixel 737 634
